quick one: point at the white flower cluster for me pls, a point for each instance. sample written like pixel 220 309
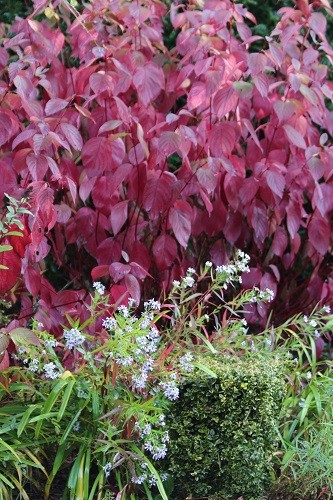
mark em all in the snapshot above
pixel 146 476
pixel 152 305
pixel 170 390
pixel 73 338
pixel 50 343
pixel 313 323
pixel 107 469
pixel 230 273
pixel 266 295
pixel 109 323
pixel 99 287
pixel 124 310
pixel 185 362
pixel 154 440
pixel 51 371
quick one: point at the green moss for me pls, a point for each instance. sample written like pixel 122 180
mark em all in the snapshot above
pixel 222 429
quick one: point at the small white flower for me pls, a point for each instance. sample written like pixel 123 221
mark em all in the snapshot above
pixel 327 309
pixel 99 287
pixel 309 375
pixel 188 281
pixel 317 334
pixel 152 305
pixel 171 391
pixel 208 264
pixel 176 283
pixel 190 270
pixel 76 426
pixel 109 323
pixel 131 302
pixel 124 311
pixel 185 362
pixel 127 361
pixel 51 371
pixel 313 323
pixel 33 366
pixel 305 319
pixel 73 338
pixel 107 469
pixel 50 343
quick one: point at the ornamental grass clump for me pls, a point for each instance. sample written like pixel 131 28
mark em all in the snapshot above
pixel 223 428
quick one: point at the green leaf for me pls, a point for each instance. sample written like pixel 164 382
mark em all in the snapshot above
pixel 25 419
pixel 54 394
pixel 86 476
pixel 9 448
pixel 153 471
pixel 206 342
pixel 70 426
pixel 4 342
pixel 2 477
pixel 58 462
pixel 5 248
pixel 205 369
pixel 14 233
pixel 306 407
pixel 65 399
pixel 24 336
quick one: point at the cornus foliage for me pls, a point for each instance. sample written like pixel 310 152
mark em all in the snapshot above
pixel 140 161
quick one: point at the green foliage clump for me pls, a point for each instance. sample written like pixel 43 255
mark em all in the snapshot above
pixel 223 428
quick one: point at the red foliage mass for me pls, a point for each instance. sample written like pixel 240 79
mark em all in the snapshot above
pixel 142 161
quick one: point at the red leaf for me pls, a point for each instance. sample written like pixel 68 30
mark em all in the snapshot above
pixel 207 178
pixel 284 109
pixel 100 82
pixel 259 222
pixel 294 218
pixel 118 217
pixel 280 242
pixel 100 154
pixel 32 280
pixel 262 84
pixel 118 270
pixel 96 156
pixel 180 216
pixel 224 101
pixel 99 272
pixel 72 135
pixel 276 182
pixel 318 24
pixel 9 277
pixel 157 194
pixel 37 165
pixel 6 128
pixel 294 137
pixel 148 81
pixel 197 95
pixel 54 106
pixel 319 231
pixel 169 143
pixel 4 363
pixel 164 251
pixel 222 139
pixel 133 287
